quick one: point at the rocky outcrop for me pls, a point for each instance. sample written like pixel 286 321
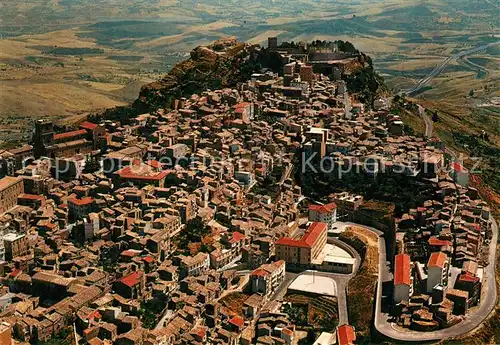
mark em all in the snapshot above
pixel 222 64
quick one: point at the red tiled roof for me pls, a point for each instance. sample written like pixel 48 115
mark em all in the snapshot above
pixel 437 259
pixel 128 173
pixel 267 269
pixel 237 321
pixel 346 335
pixel 94 314
pixel 15 272
pixel 88 125
pixel 434 241
pixel 309 238
pixel 242 105
pixel 31 197
pixel 259 272
pixel 132 279
pixel 80 202
pixel 200 331
pixel 155 164
pixel 458 167
pixel 287 241
pixel 71 134
pixel 313 232
pixel 149 259
pixel 468 277
pixel 328 208
pixel 402 269
pixel 236 237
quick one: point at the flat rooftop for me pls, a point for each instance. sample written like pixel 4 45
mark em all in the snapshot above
pixel 10 237
pixel 314 283
pixel 335 254
pixel 325 339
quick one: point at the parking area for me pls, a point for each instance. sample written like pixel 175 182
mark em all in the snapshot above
pixel 316 284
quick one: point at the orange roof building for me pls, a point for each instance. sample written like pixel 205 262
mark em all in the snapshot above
pixel 302 251
pixel 70 135
pixel 402 269
pixel 328 208
pixel 437 270
pixel 88 125
pixel 436 242
pixel 346 335
pixel 403 282
pixel 324 213
pixel 80 208
pixel 132 279
pixel 265 279
pixel 131 285
pixel 438 259
pixel 143 174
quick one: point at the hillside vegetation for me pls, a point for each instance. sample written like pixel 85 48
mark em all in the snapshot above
pixel 219 65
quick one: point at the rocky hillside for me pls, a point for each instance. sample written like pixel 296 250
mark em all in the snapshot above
pixel 222 64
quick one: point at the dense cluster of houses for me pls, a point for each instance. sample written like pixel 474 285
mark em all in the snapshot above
pixel 439 272
pixel 94 248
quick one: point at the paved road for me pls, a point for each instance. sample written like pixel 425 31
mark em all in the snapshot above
pixel 475 65
pixel 166 316
pixel 341 281
pixel 440 67
pixel 428 122
pixel 471 320
pixel 428 126
pixel 281 290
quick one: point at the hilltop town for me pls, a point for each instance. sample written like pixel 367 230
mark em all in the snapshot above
pixel 242 214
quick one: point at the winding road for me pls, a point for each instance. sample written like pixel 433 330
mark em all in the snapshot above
pixel 382 320
pixel 341 280
pixel 428 122
pixel 441 66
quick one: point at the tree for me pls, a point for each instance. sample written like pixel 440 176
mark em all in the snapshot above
pixel 435 116
pixel 471 93
pixel 92 164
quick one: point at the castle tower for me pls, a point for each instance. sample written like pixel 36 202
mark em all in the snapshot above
pixel 42 137
pixel 272 42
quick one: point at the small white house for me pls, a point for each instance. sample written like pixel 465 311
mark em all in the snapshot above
pixel 324 214
pixel 437 270
pixel 459 174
